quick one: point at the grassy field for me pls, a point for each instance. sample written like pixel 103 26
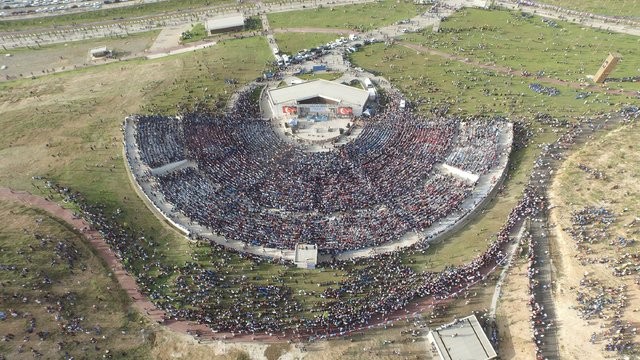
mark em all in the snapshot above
pixel 291 43
pixel 567 51
pixel 196 33
pixel 26 62
pixel 622 8
pixel 118 13
pixel 434 82
pixel 69 128
pixel 354 17
pixel 57 270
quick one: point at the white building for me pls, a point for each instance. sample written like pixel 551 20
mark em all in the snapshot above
pixel 225 24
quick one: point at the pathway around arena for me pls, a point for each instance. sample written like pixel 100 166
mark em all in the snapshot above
pixel 541 178
pixel 497 293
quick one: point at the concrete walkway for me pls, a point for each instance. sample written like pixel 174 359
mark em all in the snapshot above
pixel 513 249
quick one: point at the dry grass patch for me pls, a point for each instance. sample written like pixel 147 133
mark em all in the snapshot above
pixel 58 296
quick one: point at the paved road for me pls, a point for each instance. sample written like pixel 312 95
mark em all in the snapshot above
pixel 61 34
pixel 112 28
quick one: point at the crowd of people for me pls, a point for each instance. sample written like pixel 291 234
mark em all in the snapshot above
pixel 370 293
pixel 546 90
pixel 596 299
pixel 540 322
pixel 578 14
pixel 373 290
pixel 252 185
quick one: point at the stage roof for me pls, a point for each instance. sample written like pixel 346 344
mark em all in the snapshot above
pixel 319 88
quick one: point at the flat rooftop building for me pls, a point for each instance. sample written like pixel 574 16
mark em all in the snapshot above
pixel 225 24
pixel 462 339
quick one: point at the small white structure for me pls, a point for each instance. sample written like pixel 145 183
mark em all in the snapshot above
pixel 225 24
pixel 99 52
pixel 372 94
pixel 306 256
pixel 462 339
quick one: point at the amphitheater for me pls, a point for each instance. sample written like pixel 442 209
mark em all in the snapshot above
pixel 403 180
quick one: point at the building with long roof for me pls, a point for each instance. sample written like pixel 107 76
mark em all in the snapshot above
pixel 225 24
pixel 317 98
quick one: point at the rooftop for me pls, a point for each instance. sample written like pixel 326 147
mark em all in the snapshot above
pixel 463 339
pixel 322 88
pixel 225 22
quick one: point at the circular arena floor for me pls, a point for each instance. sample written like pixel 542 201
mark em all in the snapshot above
pixel 235 178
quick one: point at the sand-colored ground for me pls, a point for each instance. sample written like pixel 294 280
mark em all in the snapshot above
pixel 512 314
pixel 571 191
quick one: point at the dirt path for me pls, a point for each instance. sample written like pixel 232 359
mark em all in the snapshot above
pixel 509 71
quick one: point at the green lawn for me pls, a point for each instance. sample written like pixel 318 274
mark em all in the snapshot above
pixel 78 287
pixel 434 82
pixel 623 8
pixel 510 39
pixel 196 33
pixel 361 17
pixel 291 43
pixel 119 13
